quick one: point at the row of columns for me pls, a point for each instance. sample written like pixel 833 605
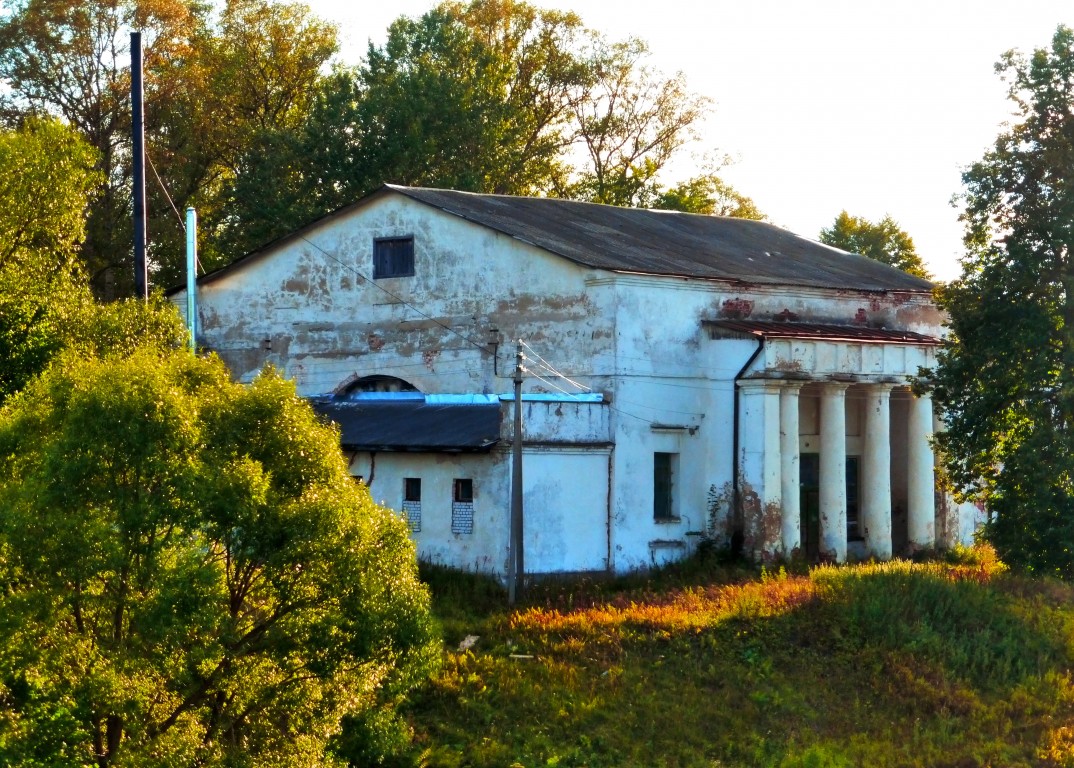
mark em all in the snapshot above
pixel 775 403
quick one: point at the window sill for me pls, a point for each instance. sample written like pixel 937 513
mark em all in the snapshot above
pixel 667 520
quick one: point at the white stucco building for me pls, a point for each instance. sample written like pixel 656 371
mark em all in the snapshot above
pixel 741 382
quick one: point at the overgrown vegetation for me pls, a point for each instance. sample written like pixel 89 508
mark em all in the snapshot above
pixel 954 663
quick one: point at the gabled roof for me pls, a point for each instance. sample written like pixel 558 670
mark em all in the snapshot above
pixel 669 243
pixel 636 240
pixel 771 329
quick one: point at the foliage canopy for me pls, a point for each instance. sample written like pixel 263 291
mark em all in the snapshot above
pixel 1006 374
pixel 244 122
pixel 191 576
pixel 883 240
pixel 492 96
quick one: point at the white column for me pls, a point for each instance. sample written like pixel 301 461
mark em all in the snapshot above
pixel 759 467
pixel 920 480
pixel 833 472
pixel 790 467
pixel 876 472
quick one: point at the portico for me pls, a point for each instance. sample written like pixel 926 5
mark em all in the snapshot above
pixel 835 455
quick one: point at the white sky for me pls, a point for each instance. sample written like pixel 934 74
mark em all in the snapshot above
pixel 824 104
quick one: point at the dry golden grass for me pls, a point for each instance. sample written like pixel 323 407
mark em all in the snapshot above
pixel 892 664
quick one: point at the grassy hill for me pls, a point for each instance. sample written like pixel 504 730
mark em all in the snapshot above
pixel 896 664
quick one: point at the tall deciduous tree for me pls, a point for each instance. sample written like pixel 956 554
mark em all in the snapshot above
pixel 630 121
pixel 473 97
pixel 47 182
pixel 255 73
pixel 1006 374
pixel 493 96
pixel 191 577
pixel 882 240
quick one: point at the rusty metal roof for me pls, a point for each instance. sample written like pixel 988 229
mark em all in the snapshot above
pixel 819 332
pixel 669 243
pixel 413 424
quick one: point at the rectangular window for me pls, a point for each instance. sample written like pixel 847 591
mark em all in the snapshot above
pixel 412 502
pixel 664 469
pixel 412 489
pixel 464 490
pixel 393 257
pixel 462 506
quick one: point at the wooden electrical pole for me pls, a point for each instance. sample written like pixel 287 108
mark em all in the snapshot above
pixel 515 565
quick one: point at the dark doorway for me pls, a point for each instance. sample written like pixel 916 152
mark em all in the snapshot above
pixel 809 499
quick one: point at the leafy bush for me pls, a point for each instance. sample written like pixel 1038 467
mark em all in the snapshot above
pixel 191 576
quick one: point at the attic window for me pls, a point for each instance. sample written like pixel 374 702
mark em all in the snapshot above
pixel 393 257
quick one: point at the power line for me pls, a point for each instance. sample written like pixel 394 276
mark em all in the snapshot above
pixel 165 191
pixel 550 368
pixel 552 384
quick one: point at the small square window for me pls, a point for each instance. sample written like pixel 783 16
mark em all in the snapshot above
pixel 464 490
pixel 412 489
pixel 393 257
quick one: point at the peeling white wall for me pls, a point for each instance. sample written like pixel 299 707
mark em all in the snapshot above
pixel 310 309
pixel 566 523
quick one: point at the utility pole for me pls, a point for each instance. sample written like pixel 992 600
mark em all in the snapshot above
pixel 515 568
pixel 141 272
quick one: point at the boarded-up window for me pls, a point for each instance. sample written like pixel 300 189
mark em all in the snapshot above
pixel 393 257
pixel 412 502
pixel 462 506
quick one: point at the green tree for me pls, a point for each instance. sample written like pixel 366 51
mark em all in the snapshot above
pixel 883 240
pixel 1006 373
pixel 631 122
pixel 47 182
pixel 68 58
pixel 211 84
pixel 256 72
pixel 710 195
pixel 190 575
pixel 493 96
pixel 291 176
pixel 474 97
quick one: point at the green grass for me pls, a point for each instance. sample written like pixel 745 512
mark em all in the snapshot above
pixel 707 664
